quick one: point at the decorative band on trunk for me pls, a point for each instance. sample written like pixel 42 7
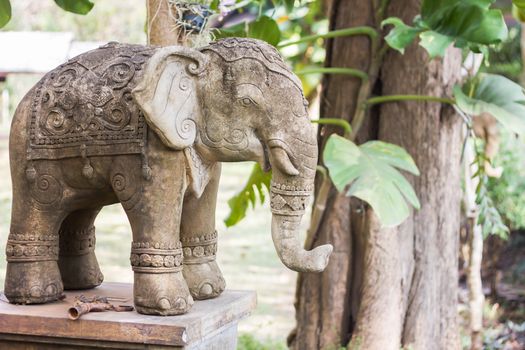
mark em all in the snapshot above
pixel 199 249
pixel 289 200
pixel 77 242
pixel 156 257
pixel 29 247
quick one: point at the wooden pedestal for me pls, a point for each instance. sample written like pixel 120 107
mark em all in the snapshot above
pixel 211 324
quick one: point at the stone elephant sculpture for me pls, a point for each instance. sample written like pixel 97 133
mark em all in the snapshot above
pixel 148 127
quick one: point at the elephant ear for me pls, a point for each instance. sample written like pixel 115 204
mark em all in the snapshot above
pixel 167 94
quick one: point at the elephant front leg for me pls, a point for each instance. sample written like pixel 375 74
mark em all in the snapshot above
pixel 199 242
pixel 156 252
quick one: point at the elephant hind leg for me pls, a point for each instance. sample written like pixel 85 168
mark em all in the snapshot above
pixel 32 275
pixel 77 261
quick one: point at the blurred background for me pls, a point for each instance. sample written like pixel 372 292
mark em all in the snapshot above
pixel 40 36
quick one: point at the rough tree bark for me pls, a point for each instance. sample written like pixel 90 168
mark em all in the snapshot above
pixel 161 24
pixel 323 300
pixel 387 288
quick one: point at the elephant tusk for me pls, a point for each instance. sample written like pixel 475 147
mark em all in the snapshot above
pixel 282 161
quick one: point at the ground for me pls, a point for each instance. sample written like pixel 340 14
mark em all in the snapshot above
pixel 246 254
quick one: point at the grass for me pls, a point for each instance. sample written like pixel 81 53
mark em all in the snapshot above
pixel 246 254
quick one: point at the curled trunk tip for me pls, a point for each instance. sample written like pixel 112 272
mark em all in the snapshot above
pixel 285 235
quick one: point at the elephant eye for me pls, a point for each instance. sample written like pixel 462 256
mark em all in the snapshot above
pixel 247 101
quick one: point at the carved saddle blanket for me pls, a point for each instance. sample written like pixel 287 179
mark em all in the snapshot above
pixel 85 108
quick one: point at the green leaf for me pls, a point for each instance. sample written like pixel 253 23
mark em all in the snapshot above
pixel 468 23
pixel 471 20
pixel 80 7
pixel 401 35
pixel 519 3
pixel 5 12
pixel 265 29
pixel 489 217
pixel 435 43
pixel 518 13
pixel 497 95
pixel 238 30
pixel 370 170
pixel 214 5
pixel 289 5
pixel 239 203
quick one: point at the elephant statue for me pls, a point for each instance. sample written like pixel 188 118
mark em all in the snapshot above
pixel 148 127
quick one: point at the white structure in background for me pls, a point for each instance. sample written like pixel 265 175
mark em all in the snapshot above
pixel 34 53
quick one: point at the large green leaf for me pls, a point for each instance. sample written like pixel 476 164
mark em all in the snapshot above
pixel 265 28
pixel 5 12
pixel 435 43
pixel 468 23
pixel 497 95
pixel 80 7
pixel 518 9
pixel 401 35
pixel 239 203
pixel 471 20
pixel 370 170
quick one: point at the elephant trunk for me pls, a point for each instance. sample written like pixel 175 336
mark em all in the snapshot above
pixel 291 188
pixel 285 235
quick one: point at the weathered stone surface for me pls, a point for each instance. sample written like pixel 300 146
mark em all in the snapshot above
pixel 148 127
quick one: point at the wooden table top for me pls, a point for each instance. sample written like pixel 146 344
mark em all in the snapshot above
pixel 51 320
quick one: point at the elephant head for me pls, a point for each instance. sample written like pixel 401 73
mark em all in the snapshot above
pixel 236 100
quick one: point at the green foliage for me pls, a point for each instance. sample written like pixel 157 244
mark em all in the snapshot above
pixel 265 28
pixel 468 23
pixel 5 12
pixel 518 10
pixel 370 170
pixel 80 7
pixel 248 342
pixel 489 217
pixel 505 58
pixel 497 95
pixel 239 203
pixel 507 191
pixel 401 35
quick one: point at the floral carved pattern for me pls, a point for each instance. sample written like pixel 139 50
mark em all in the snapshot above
pixel 156 257
pixel 28 247
pixel 78 242
pixel 87 103
pixel 199 249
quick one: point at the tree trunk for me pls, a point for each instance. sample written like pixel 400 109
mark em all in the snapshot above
pixel 162 27
pixel 387 288
pixel 323 300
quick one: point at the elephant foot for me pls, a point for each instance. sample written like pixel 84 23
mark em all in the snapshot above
pixel 200 270
pixel 204 280
pixel 33 282
pixel 80 271
pixel 162 294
